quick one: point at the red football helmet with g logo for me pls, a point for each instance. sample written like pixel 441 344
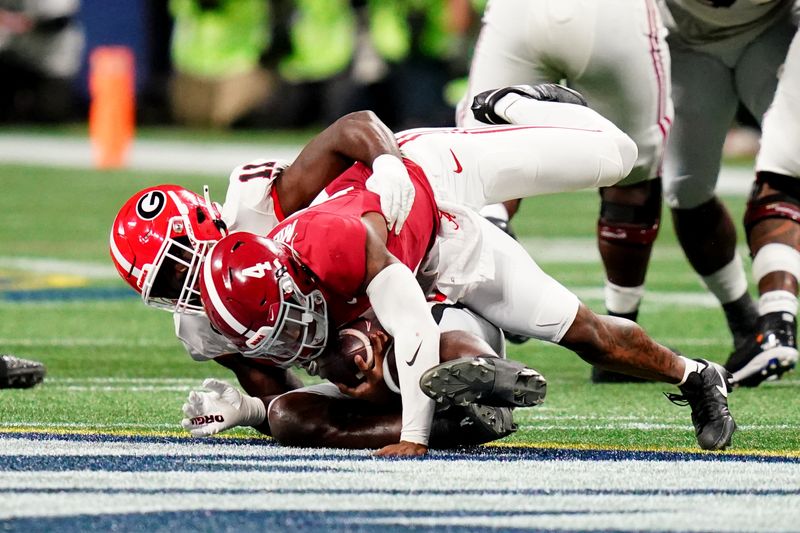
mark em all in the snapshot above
pixel 257 294
pixel 158 241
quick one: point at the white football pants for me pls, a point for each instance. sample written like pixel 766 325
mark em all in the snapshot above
pixel 561 147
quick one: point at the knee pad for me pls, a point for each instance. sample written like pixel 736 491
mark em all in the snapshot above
pixel 783 204
pixel 635 223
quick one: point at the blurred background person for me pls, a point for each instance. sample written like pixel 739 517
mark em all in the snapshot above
pixel 217 47
pixel 394 57
pixel 41 46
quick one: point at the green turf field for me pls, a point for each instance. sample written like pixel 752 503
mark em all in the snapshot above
pixel 115 365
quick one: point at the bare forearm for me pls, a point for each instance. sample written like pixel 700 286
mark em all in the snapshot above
pixel 356 137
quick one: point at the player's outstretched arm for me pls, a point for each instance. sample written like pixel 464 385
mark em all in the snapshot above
pixel 400 306
pixel 222 407
pixel 355 137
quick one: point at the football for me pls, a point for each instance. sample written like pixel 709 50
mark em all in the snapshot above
pixel 338 364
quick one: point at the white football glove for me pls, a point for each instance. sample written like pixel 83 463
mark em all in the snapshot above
pixel 221 408
pixel 391 182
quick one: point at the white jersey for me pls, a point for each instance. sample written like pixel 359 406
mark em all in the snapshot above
pixel 199 339
pixel 249 204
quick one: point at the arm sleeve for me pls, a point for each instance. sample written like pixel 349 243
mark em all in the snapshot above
pixel 400 307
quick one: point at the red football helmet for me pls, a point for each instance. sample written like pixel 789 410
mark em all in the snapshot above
pixel 257 294
pixel 158 242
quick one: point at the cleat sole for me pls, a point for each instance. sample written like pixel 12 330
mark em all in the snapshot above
pixel 768 365
pixel 473 380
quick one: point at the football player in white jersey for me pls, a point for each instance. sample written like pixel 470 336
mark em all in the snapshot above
pixel 614 53
pixel 725 53
pixel 772 223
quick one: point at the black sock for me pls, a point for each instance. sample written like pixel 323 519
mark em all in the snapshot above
pixel 742 318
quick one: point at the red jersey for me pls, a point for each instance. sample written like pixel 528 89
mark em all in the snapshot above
pixel 330 238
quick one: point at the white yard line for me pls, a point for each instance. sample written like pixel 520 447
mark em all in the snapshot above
pixel 128 479
pixel 189 157
pixel 86 342
pixel 83 269
pixel 204 157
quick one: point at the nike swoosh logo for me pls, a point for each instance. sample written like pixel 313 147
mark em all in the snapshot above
pixel 722 389
pixel 458 168
pixel 411 361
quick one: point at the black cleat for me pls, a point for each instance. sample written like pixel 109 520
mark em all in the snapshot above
pixel 483 103
pixel 504 225
pixel 16 373
pixel 742 318
pixel 706 392
pixel 494 422
pixel 772 352
pixel 485 380
pixel 473 424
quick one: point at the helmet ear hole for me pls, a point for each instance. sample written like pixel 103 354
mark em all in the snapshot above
pixel 200 214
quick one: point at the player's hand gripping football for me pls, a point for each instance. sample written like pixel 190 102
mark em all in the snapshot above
pixel 220 407
pixel 373 388
pixel 391 182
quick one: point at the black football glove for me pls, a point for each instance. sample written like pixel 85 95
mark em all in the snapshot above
pixel 483 103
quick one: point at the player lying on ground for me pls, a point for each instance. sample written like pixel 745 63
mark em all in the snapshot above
pixel 484 270
pixel 473 407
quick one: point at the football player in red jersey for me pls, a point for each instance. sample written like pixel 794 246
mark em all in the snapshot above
pixel 478 268
pixel 275 297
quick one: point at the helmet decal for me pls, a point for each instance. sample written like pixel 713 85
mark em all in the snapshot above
pixel 150 205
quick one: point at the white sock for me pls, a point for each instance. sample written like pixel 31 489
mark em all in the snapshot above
pixel 497 211
pixel 728 283
pixel 777 301
pixel 622 300
pixel 691 366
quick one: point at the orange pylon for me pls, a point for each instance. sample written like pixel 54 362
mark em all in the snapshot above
pixel 112 112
